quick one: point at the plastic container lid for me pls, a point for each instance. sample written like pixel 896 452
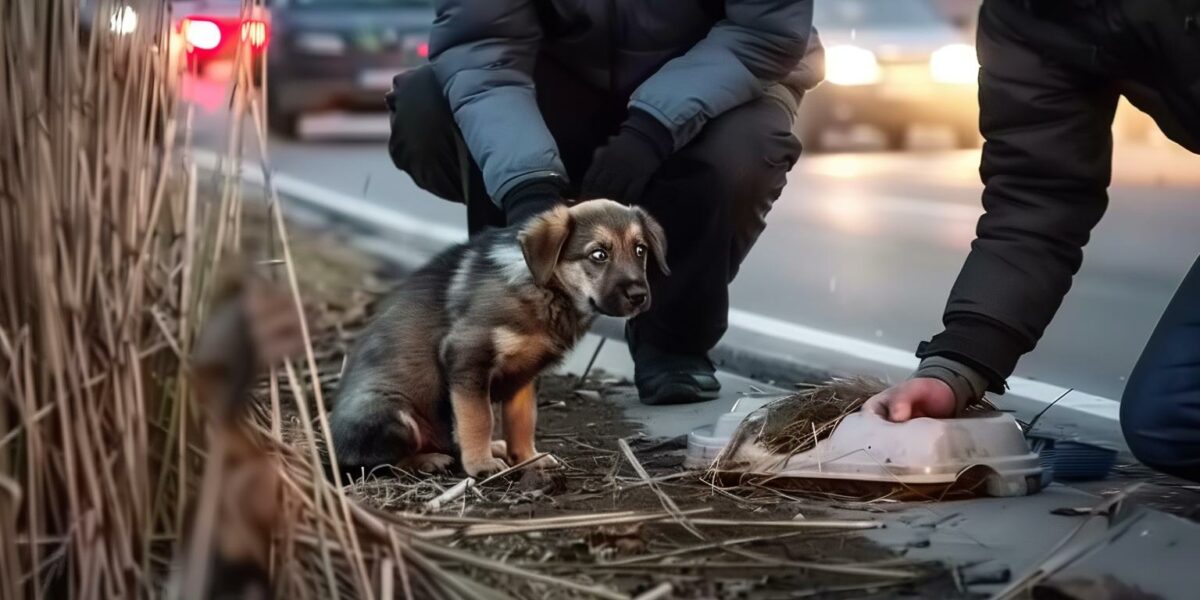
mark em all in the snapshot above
pixel 865 447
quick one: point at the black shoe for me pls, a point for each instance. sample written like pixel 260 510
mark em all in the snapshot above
pixel 664 377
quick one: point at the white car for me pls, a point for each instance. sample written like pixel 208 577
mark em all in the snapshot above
pixel 891 64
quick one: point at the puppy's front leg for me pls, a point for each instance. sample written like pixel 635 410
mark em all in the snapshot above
pixel 520 423
pixel 473 426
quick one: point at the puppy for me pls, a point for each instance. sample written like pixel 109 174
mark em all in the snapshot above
pixel 476 326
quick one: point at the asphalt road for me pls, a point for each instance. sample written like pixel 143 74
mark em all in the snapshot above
pixel 867 244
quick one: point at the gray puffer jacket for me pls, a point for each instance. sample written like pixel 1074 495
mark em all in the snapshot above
pixel 685 61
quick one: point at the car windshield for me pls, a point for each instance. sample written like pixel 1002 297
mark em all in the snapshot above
pixel 860 14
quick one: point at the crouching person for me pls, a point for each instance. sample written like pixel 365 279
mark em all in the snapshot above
pixel 684 108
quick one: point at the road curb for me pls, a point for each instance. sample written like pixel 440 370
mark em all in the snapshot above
pixel 757 347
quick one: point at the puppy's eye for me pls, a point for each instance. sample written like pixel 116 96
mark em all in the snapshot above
pixel 599 255
pixel 640 250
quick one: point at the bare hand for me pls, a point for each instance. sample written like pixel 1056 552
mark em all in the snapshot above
pixel 918 397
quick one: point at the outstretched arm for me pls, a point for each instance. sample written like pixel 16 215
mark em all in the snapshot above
pixel 1046 168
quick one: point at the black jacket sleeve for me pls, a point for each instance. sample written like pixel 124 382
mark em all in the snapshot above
pixel 1046 168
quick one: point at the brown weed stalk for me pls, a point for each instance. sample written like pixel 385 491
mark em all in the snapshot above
pixel 109 248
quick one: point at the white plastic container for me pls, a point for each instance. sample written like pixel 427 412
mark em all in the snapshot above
pixel 865 447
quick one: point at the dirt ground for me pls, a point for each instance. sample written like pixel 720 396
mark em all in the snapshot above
pixel 734 543
pixel 581 430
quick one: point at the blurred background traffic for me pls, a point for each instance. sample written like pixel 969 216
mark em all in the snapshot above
pixel 875 221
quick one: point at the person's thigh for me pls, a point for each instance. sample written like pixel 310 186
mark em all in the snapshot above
pixel 731 174
pixel 712 198
pixel 1160 409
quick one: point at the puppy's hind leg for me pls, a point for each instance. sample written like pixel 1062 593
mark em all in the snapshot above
pixel 370 429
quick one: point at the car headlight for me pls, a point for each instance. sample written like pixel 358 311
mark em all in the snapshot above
pixel 850 65
pixel 955 63
pixel 321 43
pixel 123 21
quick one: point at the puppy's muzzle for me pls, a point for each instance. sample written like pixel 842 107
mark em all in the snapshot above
pixel 637 296
pixel 627 300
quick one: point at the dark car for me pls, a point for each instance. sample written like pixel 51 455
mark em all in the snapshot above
pixel 340 54
pixel 891 64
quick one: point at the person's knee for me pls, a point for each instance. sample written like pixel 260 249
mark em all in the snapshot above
pixel 1153 426
pixel 420 117
pixel 424 140
pixel 743 156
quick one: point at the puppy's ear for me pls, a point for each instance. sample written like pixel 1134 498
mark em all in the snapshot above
pixel 655 238
pixel 542 241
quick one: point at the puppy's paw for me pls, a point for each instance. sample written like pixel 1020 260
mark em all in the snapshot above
pixel 432 462
pixel 484 468
pixel 500 448
pixel 543 463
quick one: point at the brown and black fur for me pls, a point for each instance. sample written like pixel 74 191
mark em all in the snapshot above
pixel 476 326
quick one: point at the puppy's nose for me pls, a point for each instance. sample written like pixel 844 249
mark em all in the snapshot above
pixel 636 294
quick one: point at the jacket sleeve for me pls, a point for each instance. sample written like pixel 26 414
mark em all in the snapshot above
pixel 757 43
pixel 1046 167
pixel 483 53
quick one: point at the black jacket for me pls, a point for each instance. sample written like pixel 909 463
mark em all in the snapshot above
pixel 681 61
pixel 1051 73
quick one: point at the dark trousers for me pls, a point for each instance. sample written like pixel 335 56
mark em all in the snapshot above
pixel 1160 411
pixel 712 196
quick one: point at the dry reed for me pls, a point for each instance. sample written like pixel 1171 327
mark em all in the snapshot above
pixel 107 261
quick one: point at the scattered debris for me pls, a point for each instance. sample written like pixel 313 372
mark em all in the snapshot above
pixel 1079 542
pixel 1072 511
pixel 607 542
pixel 1101 588
pixel 450 495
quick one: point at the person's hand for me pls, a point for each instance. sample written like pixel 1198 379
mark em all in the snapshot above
pixel 621 169
pixel 916 397
pixel 529 199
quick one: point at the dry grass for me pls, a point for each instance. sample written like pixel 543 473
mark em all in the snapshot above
pixel 797 422
pixel 107 260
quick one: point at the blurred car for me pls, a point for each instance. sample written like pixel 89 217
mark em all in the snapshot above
pixel 211 31
pixel 340 54
pixel 891 64
pixel 205 32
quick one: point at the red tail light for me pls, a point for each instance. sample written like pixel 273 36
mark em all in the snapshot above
pixel 423 49
pixel 256 33
pixel 201 33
